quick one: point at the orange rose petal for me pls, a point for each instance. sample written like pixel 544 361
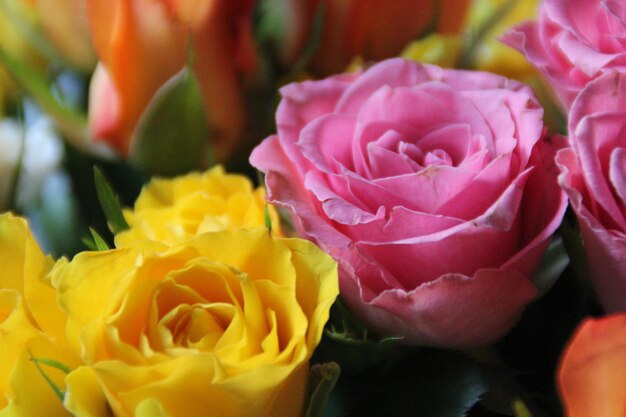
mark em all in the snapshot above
pixel 454 12
pixel 592 374
pixel 381 29
pixel 141 46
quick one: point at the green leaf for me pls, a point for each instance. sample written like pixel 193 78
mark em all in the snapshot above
pixel 268 220
pixel 58 391
pixel 506 395
pixel 269 21
pixel 17 171
pixel 428 383
pixel 355 348
pixel 348 328
pixel 520 409
pixel 573 243
pixel 172 135
pixel 89 243
pixel 314 41
pixel 553 263
pixel 466 60
pixel 70 122
pixel 322 381
pixel 53 364
pixel 109 202
pixel 96 242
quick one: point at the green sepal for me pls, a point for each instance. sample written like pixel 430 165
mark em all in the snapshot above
pixel 172 135
pixel 109 202
pixel 19 165
pixel 322 381
pixel 355 347
pixel 572 240
pixel 96 242
pixel 314 41
pixel 520 409
pixel 58 391
pixel 53 364
pixel 347 328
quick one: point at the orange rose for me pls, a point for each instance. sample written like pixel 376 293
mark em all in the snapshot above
pixel 372 29
pixel 143 43
pixel 592 373
pixel 64 23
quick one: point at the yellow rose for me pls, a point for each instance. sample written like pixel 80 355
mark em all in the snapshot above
pixel 172 210
pixel 491 54
pixel 31 323
pixel 223 324
pixel 486 52
pixel 64 24
pixel 436 48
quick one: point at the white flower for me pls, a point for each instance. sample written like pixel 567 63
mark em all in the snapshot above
pixel 41 156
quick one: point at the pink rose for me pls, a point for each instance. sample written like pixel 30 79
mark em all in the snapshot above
pixel 432 188
pixel 594 177
pixel 573 42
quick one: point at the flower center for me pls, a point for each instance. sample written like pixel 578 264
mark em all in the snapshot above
pixel 437 157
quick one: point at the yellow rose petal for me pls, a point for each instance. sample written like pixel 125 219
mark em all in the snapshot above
pixel 84 396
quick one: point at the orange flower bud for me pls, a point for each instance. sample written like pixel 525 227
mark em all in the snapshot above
pixel 143 43
pixel 591 377
pixel 372 29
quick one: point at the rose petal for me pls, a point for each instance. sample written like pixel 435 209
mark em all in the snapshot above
pixel 283 191
pixel 605 250
pixel 429 188
pixel 599 96
pixel 515 119
pixel 455 139
pixel 449 312
pixel 482 243
pixel 474 197
pixel 301 104
pixel 596 136
pixel 582 18
pixel 584 57
pixel 387 163
pixel 530 38
pixel 438 105
pixel 391 73
pixel 463 252
pixel 617 174
pixel 403 223
pixel 543 205
pixel 381 132
pixel 337 207
pixel 322 142
pixel 590 377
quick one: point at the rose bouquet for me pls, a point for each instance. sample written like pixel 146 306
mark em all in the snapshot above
pixel 312 208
